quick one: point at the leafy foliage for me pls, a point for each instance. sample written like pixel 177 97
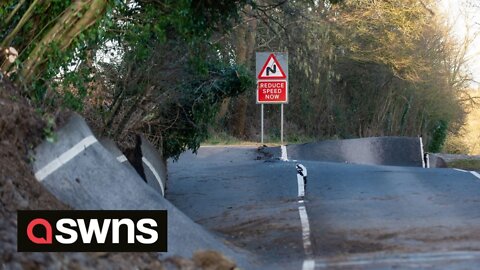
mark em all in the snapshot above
pixel 48 66
pixel 363 68
pixel 200 103
pixel 170 79
pixel 439 135
pixel 62 63
pixel 170 69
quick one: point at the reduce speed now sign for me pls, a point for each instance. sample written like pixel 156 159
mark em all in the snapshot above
pixel 272 92
pixel 272 78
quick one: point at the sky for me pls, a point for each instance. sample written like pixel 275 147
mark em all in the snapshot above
pixel 464 15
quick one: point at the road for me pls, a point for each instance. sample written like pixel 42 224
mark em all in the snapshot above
pixel 352 216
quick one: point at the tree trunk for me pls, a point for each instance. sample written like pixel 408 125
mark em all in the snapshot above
pixel 223 110
pixel 78 17
pixel 244 45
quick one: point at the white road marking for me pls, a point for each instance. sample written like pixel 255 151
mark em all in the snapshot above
pixel 308 264
pixel 65 157
pixel 157 176
pixel 307 243
pixel 284 156
pixel 401 259
pixel 475 174
pixel 122 158
pixel 421 151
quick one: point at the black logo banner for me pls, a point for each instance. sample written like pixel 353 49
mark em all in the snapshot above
pixel 92 231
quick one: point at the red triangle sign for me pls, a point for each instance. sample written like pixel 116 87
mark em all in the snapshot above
pixel 272 69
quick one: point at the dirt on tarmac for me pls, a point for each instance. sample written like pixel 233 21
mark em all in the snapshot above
pixel 21 128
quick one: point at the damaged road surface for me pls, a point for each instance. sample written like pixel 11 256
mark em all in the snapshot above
pixel 351 217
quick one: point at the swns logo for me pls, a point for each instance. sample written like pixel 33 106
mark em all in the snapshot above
pixel 92 231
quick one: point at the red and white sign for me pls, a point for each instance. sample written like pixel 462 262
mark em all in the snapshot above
pixel 272 77
pixel 272 92
pixel 272 70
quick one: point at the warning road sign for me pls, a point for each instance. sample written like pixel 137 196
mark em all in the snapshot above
pixel 272 77
pixel 272 69
pixel 272 83
pixel 272 92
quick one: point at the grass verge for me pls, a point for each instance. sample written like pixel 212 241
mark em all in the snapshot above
pixel 465 164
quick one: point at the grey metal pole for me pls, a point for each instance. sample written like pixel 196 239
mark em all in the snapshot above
pixel 281 124
pixel 261 124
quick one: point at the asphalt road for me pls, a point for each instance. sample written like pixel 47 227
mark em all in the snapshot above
pixel 352 216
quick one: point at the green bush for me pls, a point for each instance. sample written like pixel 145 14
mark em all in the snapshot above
pixel 439 135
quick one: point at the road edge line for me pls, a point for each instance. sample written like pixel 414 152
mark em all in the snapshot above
pixel 422 154
pixel 155 174
pixel 65 157
pixel 475 174
pixel 308 263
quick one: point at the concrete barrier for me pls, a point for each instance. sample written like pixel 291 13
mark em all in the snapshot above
pixel 437 162
pixel 112 147
pixel 80 172
pixel 396 151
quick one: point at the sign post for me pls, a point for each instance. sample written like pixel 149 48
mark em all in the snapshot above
pixel 272 83
pixel 281 123
pixel 261 136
